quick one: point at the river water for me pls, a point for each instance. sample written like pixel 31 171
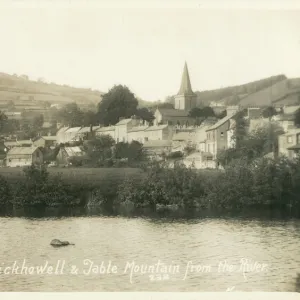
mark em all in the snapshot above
pixel 136 254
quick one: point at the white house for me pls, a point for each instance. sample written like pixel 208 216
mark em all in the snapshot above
pixel 24 156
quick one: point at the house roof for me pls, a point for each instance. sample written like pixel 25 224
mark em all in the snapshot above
pixel 220 122
pixel 73 129
pixel 73 151
pixel 157 144
pixel 123 122
pixel 61 130
pixel 106 128
pixel 49 137
pixel 171 112
pixel 85 129
pixel 17 151
pixel 157 127
pixel 138 128
pixel 18 143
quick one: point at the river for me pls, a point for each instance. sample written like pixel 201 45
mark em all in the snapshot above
pixel 138 254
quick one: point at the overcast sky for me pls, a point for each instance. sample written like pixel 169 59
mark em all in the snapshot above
pixel 97 44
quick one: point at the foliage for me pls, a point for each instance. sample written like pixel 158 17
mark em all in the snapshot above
pixel 269 112
pixel 162 185
pixel 175 154
pixel 118 102
pixel 145 114
pixel 5 192
pixel 99 148
pixel 132 151
pixel 202 112
pixel 253 145
pixel 297 118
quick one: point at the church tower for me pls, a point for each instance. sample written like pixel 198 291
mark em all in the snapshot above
pixel 186 98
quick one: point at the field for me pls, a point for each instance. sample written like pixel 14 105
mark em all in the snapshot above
pixel 89 176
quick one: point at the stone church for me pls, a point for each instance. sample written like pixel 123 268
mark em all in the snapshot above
pixel 185 100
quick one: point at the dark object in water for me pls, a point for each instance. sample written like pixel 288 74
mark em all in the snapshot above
pixel 58 243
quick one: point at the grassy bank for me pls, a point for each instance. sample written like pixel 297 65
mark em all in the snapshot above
pixel 262 185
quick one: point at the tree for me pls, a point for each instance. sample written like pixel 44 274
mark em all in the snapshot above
pixel 297 118
pixel 166 105
pixel 3 121
pixel 118 102
pixel 269 112
pixel 99 148
pixel 70 115
pixel 145 114
pixel 204 112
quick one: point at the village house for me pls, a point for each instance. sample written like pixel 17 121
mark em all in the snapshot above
pixel 122 128
pixel 87 133
pixel 137 133
pixel 289 143
pixel 107 130
pixel 217 136
pixel 24 156
pixel 67 135
pixel 158 132
pixel 45 141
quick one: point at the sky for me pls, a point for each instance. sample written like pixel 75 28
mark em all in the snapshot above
pixel 144 45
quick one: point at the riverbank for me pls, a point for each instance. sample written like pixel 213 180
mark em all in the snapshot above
pixel 178 192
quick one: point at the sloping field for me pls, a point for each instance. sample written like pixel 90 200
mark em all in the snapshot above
pixel 89 176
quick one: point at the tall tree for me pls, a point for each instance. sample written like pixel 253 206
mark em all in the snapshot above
pixel 269 112
pixel 118 102
pixel 145 114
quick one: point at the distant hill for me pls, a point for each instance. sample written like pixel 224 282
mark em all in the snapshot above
pixel 20 88
pixel 275 89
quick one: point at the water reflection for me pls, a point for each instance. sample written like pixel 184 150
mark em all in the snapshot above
pixel 216 242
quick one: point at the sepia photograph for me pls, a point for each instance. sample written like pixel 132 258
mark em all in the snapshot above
pixel 150 146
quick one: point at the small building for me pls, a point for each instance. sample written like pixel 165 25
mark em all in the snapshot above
pixel 24 156
pixel 122 128
pixel 65 153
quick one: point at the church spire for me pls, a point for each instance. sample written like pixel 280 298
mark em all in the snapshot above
pixel 185 88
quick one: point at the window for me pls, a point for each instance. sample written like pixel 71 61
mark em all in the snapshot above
pixel 289 139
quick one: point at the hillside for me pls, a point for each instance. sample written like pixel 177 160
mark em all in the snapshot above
pixel 21 89
pixel 275 89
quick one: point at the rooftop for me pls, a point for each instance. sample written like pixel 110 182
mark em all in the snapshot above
pixel 105 128
pixel 157 144
pixel 138 128
pixel 220 122
pixel 123 122
pixel 171 112
pixel 157 127
pixel 22 151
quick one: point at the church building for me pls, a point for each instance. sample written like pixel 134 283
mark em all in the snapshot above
pixel 185 100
